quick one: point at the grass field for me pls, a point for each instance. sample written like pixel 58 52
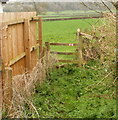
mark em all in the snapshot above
pixel 71 91
pixel 70 12
pixel 69 16
pixel 74 92
pixel 65 32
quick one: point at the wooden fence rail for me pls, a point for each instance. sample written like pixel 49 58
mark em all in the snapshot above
pixel 48 47
pixel 64 44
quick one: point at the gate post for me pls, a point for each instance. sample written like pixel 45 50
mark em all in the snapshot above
pixel 47 44
pixel 7 88
pixel 79 50
pixel 27 44
pixel 1 87
pixel 40 37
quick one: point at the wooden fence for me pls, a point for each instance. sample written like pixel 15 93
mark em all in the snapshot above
pixel 83 42
pixel 77 53
pixel 48 47
pixel 20 42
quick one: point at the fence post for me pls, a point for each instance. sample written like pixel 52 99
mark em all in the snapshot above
pixel 47 44
pixel 79 55
pixel 1 87
pixel 40 37
pixel 101 58
pixel 7 88
pixel 27 44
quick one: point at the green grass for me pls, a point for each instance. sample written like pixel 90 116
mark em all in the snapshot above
pixel 74 12
pixel 71 16
pixel 65 32
pixel 72 92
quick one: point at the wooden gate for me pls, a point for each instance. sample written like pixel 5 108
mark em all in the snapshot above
pixel 82 40
pixel 76 53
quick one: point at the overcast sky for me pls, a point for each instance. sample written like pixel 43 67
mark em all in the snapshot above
pixel 60 0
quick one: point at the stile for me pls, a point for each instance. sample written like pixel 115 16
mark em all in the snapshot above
pixel 64 53
pixel 47 44
pixel 64 44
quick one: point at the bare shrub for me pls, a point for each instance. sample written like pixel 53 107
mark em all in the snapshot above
pixel 24 87
pixel 103 44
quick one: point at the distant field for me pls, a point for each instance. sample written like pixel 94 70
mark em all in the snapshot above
pixel 74 12
pixel 70 14
pixel 65 31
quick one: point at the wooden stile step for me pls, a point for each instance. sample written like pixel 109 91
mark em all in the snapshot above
pixel 64 44
pixel 64 53
pixel 68 61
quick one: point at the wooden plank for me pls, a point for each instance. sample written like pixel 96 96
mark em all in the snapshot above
pixel 9 42
pixel 40 37
pixel 68 61
pixel 10 16
pixel 15 22
pixel 1 87
pixel 64 53
pixel 27 44
pixel 16 59
pixel 7 98
pixel 33 42
pixel 20 64
pixel 4 46
pixel 90 37
pixel 64 44
pixel 15 47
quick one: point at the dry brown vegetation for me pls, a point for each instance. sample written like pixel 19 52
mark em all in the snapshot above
pixel 24 87
pixel 103 44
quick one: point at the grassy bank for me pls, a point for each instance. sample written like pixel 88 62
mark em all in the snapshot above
pixel 74 92
pixel 78 92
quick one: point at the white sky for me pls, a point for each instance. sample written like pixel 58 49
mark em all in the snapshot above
pixel 61 0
